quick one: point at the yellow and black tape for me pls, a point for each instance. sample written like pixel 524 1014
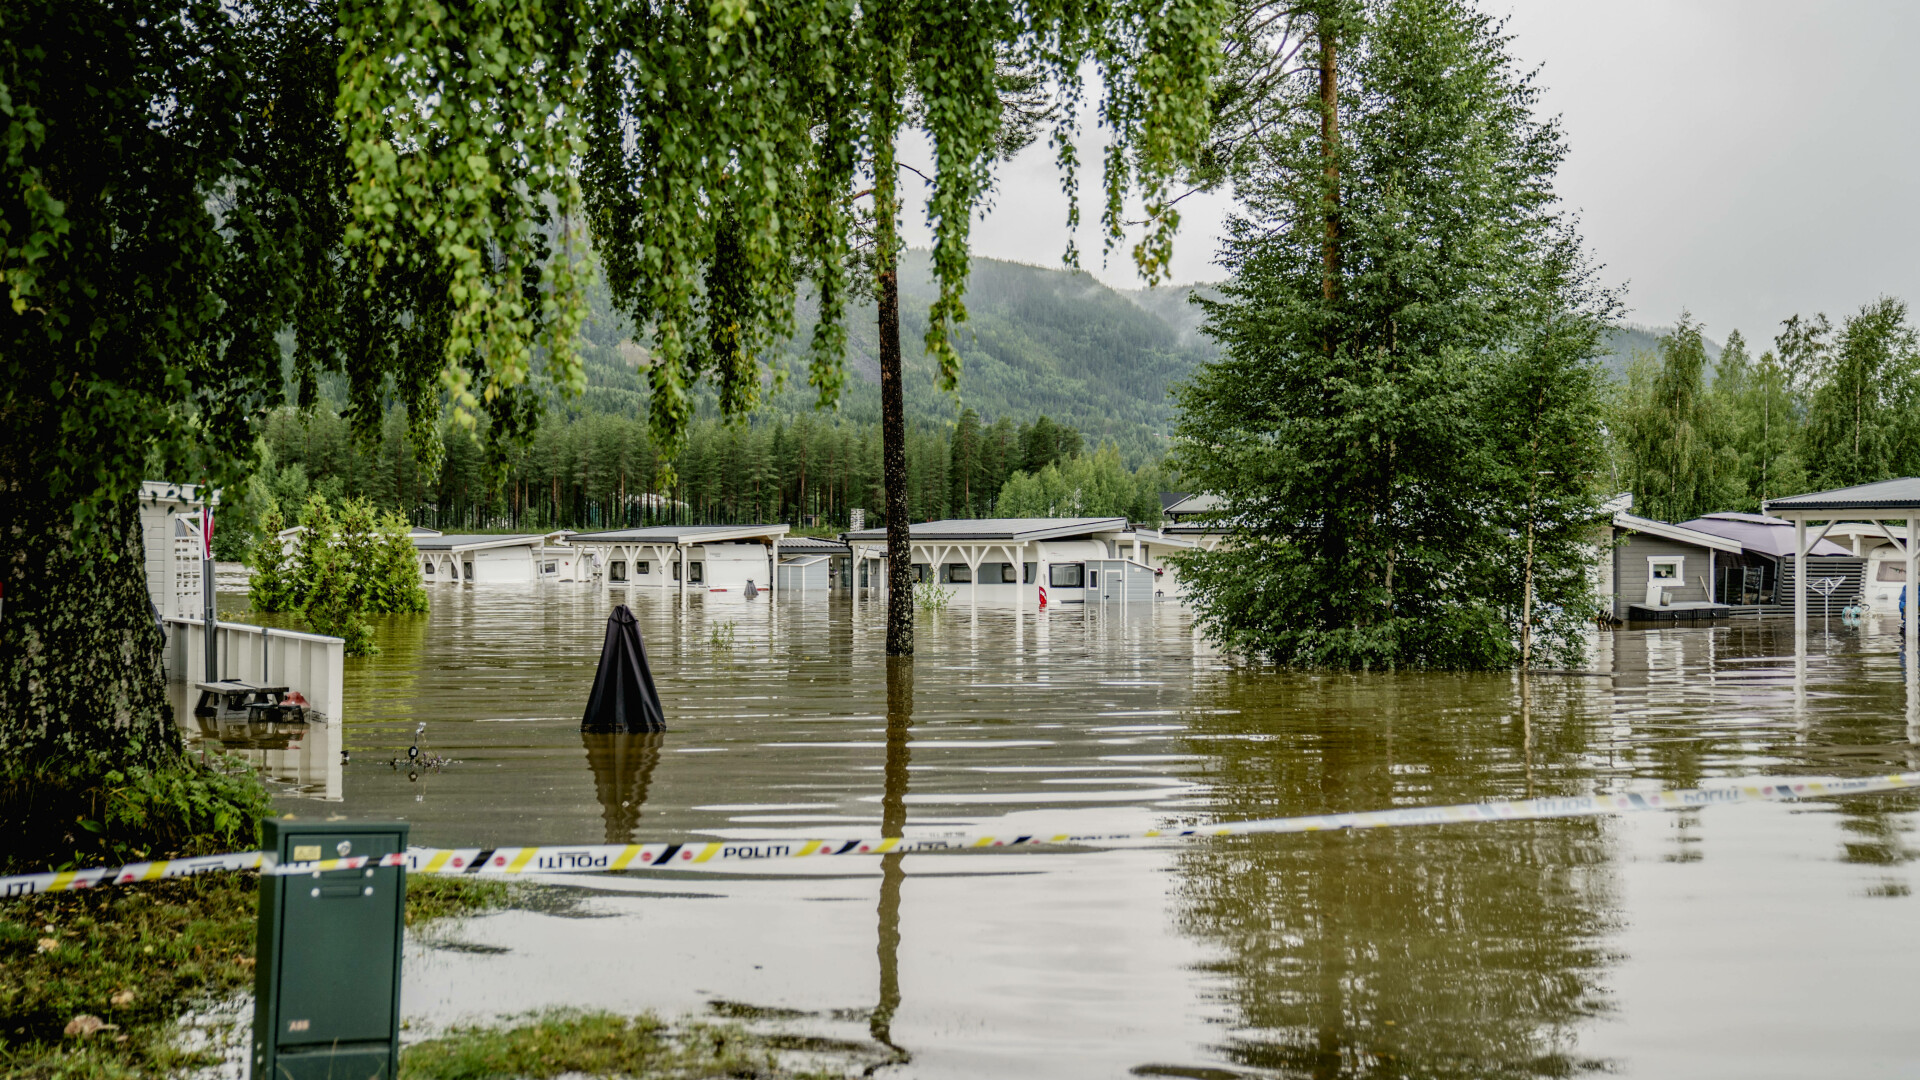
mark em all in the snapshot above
pixel 603 858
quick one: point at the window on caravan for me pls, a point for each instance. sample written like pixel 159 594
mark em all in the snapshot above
pixel 1093 579
pixel 427 566
pixel 922 572
pixel 696 572
pixel 550 568
pixel 1026 573
pixel 1891 571
pixel 641 568
pixel 1000 574
pixel 1065 575
pixel 466 570
pixel 617 570
pixel 957 573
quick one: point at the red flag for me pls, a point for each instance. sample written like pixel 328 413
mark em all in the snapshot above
pixel 1043 596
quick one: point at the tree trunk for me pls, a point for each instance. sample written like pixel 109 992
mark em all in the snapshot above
pixel 1329 156
pixel 893 422
pixel 82 682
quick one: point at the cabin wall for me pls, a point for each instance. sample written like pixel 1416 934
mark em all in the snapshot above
pixel 728 567
pixel 1630 584
pixel 500 566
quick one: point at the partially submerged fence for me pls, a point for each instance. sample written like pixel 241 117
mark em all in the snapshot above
pixel 313 664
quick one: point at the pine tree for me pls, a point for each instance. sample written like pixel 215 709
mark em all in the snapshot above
pixel 965 471
pixel 1400 242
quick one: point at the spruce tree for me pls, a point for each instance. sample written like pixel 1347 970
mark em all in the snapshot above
pixel 1403 286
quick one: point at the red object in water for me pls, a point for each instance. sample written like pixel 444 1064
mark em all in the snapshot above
pixel 293 698
pixel 1043 596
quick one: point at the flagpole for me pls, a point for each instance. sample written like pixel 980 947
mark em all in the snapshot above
pixel 209 614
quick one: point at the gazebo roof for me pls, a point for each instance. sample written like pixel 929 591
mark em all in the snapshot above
pixel 1862 499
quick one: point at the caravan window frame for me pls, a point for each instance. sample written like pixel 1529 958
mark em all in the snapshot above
pixel 1679 568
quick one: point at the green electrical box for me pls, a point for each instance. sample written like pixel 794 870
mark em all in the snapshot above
pixel 327 969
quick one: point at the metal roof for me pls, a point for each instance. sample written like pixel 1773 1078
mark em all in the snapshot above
pixel 1760 535
pixel 1194 504
pixel 1669 531
pixel 682 534
pixel 987 530
pixel 474 541
pixel 812 545
pixel 1900 494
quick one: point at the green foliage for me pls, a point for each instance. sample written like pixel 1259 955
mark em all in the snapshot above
pixel 328 586
pixel 1085 485
pixel 1765 415
pixel 1387 345
pixel 601 471
pixel 359 563
pixel 272 586
pixel 932 597
pixel 1863 423
pixel 392 583
pixel 1678 461
pixel 88 812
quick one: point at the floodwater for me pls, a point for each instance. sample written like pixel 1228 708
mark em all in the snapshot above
pixel 1747 940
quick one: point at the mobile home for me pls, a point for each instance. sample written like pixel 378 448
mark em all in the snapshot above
pixel 1023 561
pixel 686 558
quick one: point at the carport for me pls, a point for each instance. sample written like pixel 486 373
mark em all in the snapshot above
pixel 1874 504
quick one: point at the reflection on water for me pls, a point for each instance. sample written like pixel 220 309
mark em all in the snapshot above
pixel 1456 952
pixel 301 759
pixel 893 821
pixel 622 764
pixel 1514 949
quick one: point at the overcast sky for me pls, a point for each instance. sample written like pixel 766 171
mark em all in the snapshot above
pixel 1744 159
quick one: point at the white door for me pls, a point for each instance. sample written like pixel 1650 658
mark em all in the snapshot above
pixel 1664 572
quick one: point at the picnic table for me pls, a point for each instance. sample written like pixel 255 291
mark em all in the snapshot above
pixel 260 702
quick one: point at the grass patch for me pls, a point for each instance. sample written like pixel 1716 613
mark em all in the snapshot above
pixel 137 957
pixel 433 897
pixel 596 1044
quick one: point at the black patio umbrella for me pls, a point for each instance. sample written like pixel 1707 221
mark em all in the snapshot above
pixel 623 697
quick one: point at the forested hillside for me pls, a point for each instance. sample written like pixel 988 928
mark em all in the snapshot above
pixel 1037 341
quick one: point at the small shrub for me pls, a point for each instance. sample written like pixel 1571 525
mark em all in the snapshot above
pixel 93 813
pixel 932 597
pixel 721 636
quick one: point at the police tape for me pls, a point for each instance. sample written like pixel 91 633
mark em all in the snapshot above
pixel 602 858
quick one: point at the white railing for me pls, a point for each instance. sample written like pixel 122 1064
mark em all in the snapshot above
pixel 314 664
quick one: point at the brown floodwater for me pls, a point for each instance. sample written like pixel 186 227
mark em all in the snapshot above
pixel 1750 940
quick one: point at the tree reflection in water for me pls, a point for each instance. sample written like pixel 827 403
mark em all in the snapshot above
pixel 1470 952
pixel 622 764
pixel 893 821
